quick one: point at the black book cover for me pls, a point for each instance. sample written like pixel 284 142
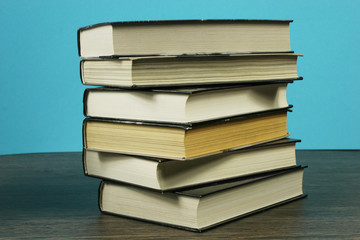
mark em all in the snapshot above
pixel 177 21
pixel 188 126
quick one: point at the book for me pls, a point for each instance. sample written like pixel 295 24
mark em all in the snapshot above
pixel 204 207
pixel 184 105
pixel 179 37
pixel 165 175
pixel 182 141
pixel 152 71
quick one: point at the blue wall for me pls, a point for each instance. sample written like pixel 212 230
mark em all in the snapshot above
pixel 41 93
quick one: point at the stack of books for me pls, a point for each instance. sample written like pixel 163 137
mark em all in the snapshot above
pixel 189 126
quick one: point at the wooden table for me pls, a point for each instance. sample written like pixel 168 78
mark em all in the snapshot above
pixel 46 195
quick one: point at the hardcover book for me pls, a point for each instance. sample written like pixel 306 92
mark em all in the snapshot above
pixel 201 208
pixel 183 141
pixel 179 37
pixel 157 71
pixel 184 105
pixel 164 175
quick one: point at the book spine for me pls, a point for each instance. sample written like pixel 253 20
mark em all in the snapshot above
pixel 81 68
pixel 100 194
pixel 85 100
pixel 78 42
pixel 83 157
pixel 84 133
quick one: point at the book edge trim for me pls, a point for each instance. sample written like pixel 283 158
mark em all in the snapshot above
pixel 169 22
pixel 301 196
pixel 255 211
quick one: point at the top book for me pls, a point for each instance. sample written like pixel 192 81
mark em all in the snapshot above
pixel 184 37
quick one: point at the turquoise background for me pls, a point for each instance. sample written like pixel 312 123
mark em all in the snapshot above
pixel 41 93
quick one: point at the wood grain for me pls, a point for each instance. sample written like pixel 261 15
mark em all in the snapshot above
pixel 46 195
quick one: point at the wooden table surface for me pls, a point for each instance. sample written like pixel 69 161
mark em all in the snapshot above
pixel 47 196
